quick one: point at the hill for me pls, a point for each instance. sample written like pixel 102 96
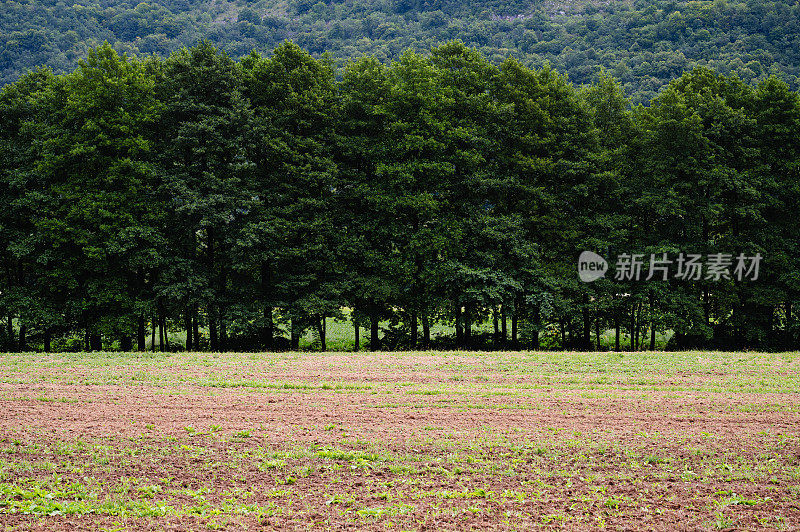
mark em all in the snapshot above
pixel 642 43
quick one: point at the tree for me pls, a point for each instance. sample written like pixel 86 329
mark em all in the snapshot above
pixel 296 238
pixel 25 284
pixel 363 146
pixel 204 175
pixel 93 208
pixel 547 160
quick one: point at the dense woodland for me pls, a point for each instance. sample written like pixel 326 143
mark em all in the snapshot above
pixel 643 43
pixel 246 202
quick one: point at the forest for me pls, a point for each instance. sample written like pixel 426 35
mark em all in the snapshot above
pixel 644 44
pixel 247 201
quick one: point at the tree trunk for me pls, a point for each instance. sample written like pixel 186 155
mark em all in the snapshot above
pixel 587 324
pixel 414 329
pixel 535 333
pixel 652 336
pixel 503 326
pixel 269 329
pixel 125 342
pixel 10 334
pixel 642 332
pixel 563 327
pixel 266 292
pixel 616 333
pixel 459 328
pixel 187 324
pixel 97 342
pixel 153 335
pixel 161 332
pixel 426 332
pixel 140 335
pixel 357 336
pixel 518 306
pixel 652 323
pixel 47 340
pixel 212 328
pixel 215 282
pixel 196 326
pixel 166 332
pixel 634 328
pixel 374 341
pixel 597 331
pixel 468 326
pixel 323 344
pixel 770 326
pixel 221 310
pixel 514 324
pixel 496 325
pixel 223 333
pixel 294 335
pixel 788 340
pixel 573 341
pixel 324 333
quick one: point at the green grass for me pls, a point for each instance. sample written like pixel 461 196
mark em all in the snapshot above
pixel 340 335
pixel 458 372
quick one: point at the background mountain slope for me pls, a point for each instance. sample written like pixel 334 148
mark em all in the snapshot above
pixel 642 43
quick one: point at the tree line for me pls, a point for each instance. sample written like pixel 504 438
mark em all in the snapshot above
pixel 246 202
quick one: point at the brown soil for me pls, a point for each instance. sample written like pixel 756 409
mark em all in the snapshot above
pixel 555 456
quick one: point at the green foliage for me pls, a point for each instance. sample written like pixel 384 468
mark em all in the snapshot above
pixel 644 44
pixel 235 203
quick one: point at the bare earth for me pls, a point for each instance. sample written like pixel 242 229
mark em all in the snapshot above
pixel 406 441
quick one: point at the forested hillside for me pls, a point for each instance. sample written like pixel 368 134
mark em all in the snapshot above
pixel 246 202
pixel 642 43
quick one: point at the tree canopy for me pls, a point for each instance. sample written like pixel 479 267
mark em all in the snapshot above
pixel 245 202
